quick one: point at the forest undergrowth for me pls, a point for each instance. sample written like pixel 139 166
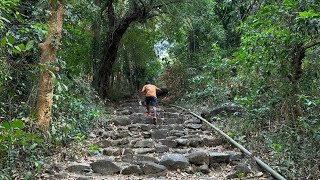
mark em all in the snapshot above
pixel 289 147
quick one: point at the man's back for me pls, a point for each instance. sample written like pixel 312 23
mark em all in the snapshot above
pixel 151 90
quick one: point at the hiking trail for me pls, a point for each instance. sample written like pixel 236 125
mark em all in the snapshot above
pixel 180 146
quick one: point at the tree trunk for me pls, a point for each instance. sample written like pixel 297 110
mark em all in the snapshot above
pixel 96 28
pixel 296 64
pixel 48 56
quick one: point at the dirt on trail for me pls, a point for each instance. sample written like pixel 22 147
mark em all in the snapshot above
pixel 179 146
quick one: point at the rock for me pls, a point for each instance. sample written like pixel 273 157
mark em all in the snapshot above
pixel 138 158
pixel 159 133
pixel 152 168
pixel 112 152
pixel 127 151
pixel 148 143
pixel 46 176
pixel 216 157
pixel 139 118
pixel 83 178
pixel 92 135
pixel 58 167
pixel 126 112
pixel 178 127
pixel 181 151
pixel 213 142
pixel 132 169
pixel 134 127
pixel 242 168
pixel 144 150
pixel 193 121
pixel 104 143
pixel 232 175
pixel 105 167
pixel 193 126
pixel 109 151
pixel 169 143
pixel 171 110
pixel 182 142
pixel 120 142
pixel 121 121
pixel 204 169
pixel 146 134
pixel 195 142
pixel 223 109
pixel 174 161
pixel 235 156
pixel 145 127
pixel 178 133
pixel 79 168
pixel 107 134
pixel 61 175
pixel 161 148
pixel 199 158
pixel 120 135
pixel 117 152
pixel 191 169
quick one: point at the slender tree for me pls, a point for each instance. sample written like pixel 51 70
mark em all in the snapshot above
pixel 49 50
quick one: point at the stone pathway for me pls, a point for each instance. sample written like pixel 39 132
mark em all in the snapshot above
pixel 131 147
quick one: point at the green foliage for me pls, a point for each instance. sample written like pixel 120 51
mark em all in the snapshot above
pixel 77 44
pixel 17 143
pixel 6 10
pixel 76 109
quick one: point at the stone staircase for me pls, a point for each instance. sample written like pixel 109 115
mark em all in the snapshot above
pixel 131 147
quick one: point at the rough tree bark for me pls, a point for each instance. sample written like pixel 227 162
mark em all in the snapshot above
pixel 139 11
pixel 299 53
pixel 96 28
pixel 48 56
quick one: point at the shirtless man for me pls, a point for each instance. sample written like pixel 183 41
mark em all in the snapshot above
pixel 151 99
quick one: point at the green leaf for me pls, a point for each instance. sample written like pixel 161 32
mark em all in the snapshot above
pixel 6 125
pixel 22 47
pixel 18 124
pixel 38 140
pixel 11 39
pixel 3 42
pixel 53 130
pixel 16 51
pixel 17 48
pixel 308 14
pixel 29 45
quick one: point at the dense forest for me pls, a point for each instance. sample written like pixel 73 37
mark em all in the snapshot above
pixel 63 63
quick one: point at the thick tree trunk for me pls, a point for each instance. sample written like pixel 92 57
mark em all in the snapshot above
pixel 48 55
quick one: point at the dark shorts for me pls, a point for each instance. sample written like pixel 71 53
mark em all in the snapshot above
pixel 152 101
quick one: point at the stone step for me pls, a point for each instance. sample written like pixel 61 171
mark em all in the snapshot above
pixel 148 164
pixel 132 146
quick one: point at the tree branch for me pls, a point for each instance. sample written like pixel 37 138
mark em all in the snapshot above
pixel 312 44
